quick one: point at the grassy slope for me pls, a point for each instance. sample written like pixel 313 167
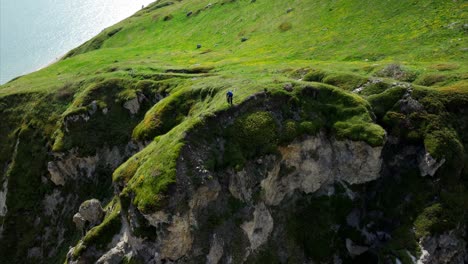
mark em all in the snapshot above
pixel 342 38
pixel 336 35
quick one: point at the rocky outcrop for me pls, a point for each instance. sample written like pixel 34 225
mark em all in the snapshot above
pixel 4 186
pixel 179 241
pixel 353 249
pixel 260 227
pixel 3 196
pixel 216 250
pixel 446 248
pixel 428 165
pixel 308 165
pixel 90 211
pixel 71 166
pixel 134 104
pixel 117 253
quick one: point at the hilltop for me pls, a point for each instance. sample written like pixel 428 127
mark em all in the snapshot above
pixel 346 141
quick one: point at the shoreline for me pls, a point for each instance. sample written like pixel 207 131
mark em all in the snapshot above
pixel 14 70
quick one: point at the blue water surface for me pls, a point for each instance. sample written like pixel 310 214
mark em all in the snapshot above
pixel 34 33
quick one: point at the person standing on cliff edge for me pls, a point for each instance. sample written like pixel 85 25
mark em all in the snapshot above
pixel 229 96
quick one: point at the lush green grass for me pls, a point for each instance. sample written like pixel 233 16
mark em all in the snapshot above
pixel 346 33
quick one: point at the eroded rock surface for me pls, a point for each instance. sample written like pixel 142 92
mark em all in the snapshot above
pixel 444 249
pixel 92 211
pixel 317 161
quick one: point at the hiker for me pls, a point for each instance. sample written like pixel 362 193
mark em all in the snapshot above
pixel 229 96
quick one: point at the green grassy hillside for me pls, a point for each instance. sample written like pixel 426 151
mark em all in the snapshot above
pixel 252 48
pixel 339 35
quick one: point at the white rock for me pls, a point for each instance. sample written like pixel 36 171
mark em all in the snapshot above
pixel 216 251
pixel 260 227
pixel 79 221
pixel 3 196
pixel 428 165
pixel 353 249
pixel 318 161
pixel 179 241
pixel 132 105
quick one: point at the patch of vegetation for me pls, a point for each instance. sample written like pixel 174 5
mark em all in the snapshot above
pixel 311 224
pixel 315 75
pixel 429 220
pixel 397 72
pixel 285 26
pixel 251 135
pixel 430 79
pixel 370 133
pixel 290 131
pixel 383 102
pixel 93 44
pixel 86 124
pixel 345 81
pixel 165 115
pixel 375 88
pixel 309 128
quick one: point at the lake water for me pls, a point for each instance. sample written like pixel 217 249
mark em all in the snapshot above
pixel 34 33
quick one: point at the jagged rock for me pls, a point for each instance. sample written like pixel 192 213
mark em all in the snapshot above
pixel 216 250
pixel 444 249
pixel 157 218
pixel 179 241
pixel 51 201
pixel 260 227
pixel 91 211
pixel 3 196
pixel 409 105
pixel 79 221
pixel 134 104
pixel 204 195
pixel 428 165
pixel 35 252
pixel 238 186
pixel 71 167
pixel 115 254
pixel 93 107
pixel 353 218
pixel 353 249
pixel 318 161
pixel 55 176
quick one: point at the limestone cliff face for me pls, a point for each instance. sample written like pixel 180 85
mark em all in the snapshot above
pixel 237 216
pixel 187 234
pixel 292 197
pixel 320 161
pixel 316 198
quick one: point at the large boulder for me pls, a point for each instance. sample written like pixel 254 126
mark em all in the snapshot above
pixel 91 211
